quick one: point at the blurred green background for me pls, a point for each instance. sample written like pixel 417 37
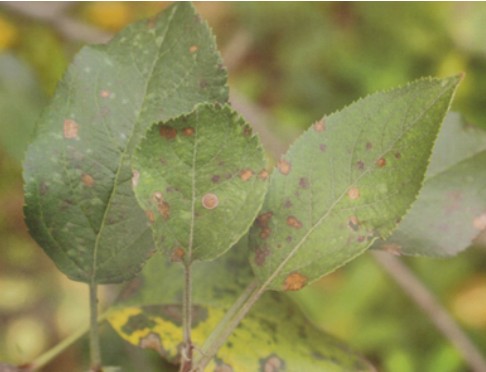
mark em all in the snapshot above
pixel 294 62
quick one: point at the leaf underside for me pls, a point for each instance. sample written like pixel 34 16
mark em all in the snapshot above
pixel 80 206
pixel 345 182
pixel 149 316
pixel 450 211
pixel 201 180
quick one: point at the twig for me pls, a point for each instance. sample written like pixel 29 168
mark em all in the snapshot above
pixel 438 315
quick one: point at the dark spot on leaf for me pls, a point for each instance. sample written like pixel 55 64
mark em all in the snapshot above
pixel 263 219
pixel 320 126
pixel 162 206
pixel 167 132
pixel 294 222
pixel 261 254
pixel 188 131
pixel 177 254
pixel 265 233
pixel 70 129
pixel 392 248
pixel 322 147
pixel 353 193
pixel 137 322
pixel 288 239
pixel 361 239
pixel 398 155
pixel 193 49
pixel 272 363
pixel 288 204
pixel 210 201
pixel 360 164
pixel 215 178
pixel 304 183
pixel 173 313
pixel 369 146
pixel 87 180
pixel 105 94
pixel 284 166
pixel 263 175
pixel 381 162
pixel 353 223
pixel 246 174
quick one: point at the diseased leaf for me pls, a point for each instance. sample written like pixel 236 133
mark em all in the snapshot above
pixel 450 211
pixel 80 205
pixel 150 316
pixel 201 180
pixel 345 182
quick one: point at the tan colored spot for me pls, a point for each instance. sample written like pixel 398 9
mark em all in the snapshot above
pixel 151 341
pixel 392 248
pixel 284 166
pixel 105 94
pixel 263 175
pixel 353 193
pixel 210 201
pixel 320 126
pixel 70 129
pixel 177 254
pixel 381 162
pixel 88 181
pixel 162 206
pixel 294 282
pixel 150 215
pixel 135 178
pixel 294 222
pixel 263 219
pixel 261 255
pixel 193 49
pixel 167 132
pixel 353 223
pixel 480 222
pixel 272 364
pixel 246 174
pixel 265 233
pixel 188 132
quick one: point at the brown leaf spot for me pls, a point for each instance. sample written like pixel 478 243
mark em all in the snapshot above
pixel 263 175
pixel 188 131
pixel 398 155
pixel 247 131
pixel 210 201
pixel 381 162
pixel 263 219
pixel 480 222
pixel 304 183
pixel 353 223
pixel 320 126
pixel 369 146
pixel 294 222
pixel 105 94
pixel 151 341
pixel 284 166
pixel 246 174
pixel 353 193
pixel 70 129
pixel 135 177
pixel 261 255
pixel 150 215
pixel 87 180
pixel 392 248
pixel 294 282
pixel 167 132
pixel 288 204
pixel 265 233
pixel 162 206
pixel 215 178
pixel 360 164
pixel 322 147
pixel 193 49
pixel 361 239
pixel 177 254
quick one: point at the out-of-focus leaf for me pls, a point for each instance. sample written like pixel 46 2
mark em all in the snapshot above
pixel 149 315
pixel 80 205
pixel 21 101
pixel 451 208
pixel 201 180
pixel 345 182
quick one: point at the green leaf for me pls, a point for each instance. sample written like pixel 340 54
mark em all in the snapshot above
pixel 450 211
pixel 80 205
pixel 345 182
pixel 201 180
pixel 149 316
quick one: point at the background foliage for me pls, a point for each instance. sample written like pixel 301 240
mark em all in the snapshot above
pixel 311 58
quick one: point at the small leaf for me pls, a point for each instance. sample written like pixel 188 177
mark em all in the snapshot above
pixel 197 178
pixel 80 206
pixel 279 335
pixel 450 211
pixel 345 182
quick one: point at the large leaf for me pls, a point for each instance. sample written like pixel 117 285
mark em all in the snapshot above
pixel 273 337
pixel 79 203
pixel 201 180
pixel 451 208
pixel 345 182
